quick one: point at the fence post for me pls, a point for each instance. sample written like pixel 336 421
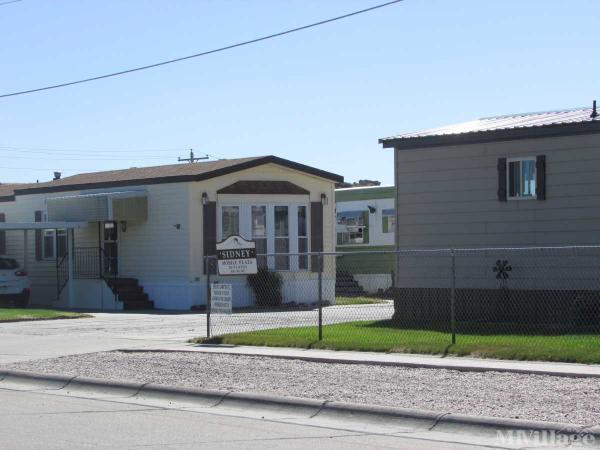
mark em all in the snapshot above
pixel 453 299
pixel 320 259
pixel 208 299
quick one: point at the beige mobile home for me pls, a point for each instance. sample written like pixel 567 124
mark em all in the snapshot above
pixel 146 231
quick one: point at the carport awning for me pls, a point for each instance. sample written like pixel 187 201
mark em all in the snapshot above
pixel 4 226
pixel 99 207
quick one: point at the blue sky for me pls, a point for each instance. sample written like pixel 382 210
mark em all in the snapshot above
pixel 322 97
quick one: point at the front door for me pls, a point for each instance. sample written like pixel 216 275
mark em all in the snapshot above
pixel 110 247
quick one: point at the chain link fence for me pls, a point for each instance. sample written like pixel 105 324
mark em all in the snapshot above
pixel 413 300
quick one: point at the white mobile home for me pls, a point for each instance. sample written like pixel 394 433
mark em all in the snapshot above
pixel 146 231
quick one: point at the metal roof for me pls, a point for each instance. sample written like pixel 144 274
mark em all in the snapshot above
pixel 512 126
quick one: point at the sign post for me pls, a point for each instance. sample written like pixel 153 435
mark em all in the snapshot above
pixel 236 256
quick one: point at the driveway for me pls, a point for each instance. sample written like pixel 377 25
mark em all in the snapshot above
pixel 22 341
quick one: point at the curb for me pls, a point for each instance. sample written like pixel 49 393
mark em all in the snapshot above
pixel 411 419
pixel 407 364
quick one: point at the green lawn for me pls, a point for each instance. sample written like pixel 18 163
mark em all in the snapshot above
pixel 18 314
pixel 380 337
pixel 357 301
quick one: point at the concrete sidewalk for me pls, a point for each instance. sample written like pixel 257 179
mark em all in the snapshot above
pixel 391 359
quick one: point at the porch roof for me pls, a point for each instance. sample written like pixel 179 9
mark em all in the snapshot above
pixel 41 225
pixel 99 206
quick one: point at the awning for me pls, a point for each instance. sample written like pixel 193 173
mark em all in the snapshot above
pixel 388 212
pixel 99 207
pixel 4 226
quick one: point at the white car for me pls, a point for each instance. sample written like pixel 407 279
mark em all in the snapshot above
pixel 14 283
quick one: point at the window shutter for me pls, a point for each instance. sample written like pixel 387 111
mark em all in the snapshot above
pixel 385 222
pixel 2 236
pixel 540 177
pixel 502 179
pixel 209 230
pixel 316 232
pixel 38 237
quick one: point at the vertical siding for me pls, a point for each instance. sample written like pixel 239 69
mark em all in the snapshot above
pixel 446 196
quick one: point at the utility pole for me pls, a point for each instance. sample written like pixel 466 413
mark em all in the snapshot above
pixel 192 159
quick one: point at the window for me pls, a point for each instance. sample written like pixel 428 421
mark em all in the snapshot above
pixel 352 227
pixel 302 238
pixel 521 178
pixel 282 237
pixel 388 218
pixel 259 233
pixel 277 229
pixel 230 221
pixel 54 243
pixel 8 264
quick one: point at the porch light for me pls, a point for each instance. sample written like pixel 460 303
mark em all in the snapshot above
pixel 323 199
pixel 204 198
pixel 123 226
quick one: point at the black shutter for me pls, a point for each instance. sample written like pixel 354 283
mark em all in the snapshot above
pixel 502 179
pixel 38 237
pixel 2 236
pixel 209 230
pixel 540 177
pixel 316 232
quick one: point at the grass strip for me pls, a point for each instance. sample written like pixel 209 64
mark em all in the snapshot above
pixel 379 336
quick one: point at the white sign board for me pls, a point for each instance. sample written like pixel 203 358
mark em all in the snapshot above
pixel 236 256
pixel 220 298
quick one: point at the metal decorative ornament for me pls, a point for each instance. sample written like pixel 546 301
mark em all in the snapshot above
pixel 502 269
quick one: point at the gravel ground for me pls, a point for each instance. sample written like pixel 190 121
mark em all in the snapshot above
pixel 536 397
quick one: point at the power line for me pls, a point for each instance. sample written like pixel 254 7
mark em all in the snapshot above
pixel 208 52
pixel 9 2
pixel 86 152
pixel 95 150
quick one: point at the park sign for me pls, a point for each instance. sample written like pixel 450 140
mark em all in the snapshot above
pixel 236 256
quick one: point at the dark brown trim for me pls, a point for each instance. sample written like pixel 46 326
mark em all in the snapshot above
pixel 545 131
pixel 316 232
pixel 185 178
pixel 38 237
pixel 263 187
pixel 209 233
pixel 2 236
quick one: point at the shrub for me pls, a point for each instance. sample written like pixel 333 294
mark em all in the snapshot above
pixel 267 288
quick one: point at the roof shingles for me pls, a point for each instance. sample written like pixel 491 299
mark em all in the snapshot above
pixel 156 175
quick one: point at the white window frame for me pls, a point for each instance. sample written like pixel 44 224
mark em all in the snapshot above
pixel 52 233
pixel 520 159
pixel 245 227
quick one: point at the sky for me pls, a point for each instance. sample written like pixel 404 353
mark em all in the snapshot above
pixel 322 97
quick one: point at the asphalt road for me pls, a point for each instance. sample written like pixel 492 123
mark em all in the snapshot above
pixel 33 420
pixel 22 341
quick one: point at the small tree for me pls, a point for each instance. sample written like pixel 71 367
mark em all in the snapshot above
pixel 267 288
